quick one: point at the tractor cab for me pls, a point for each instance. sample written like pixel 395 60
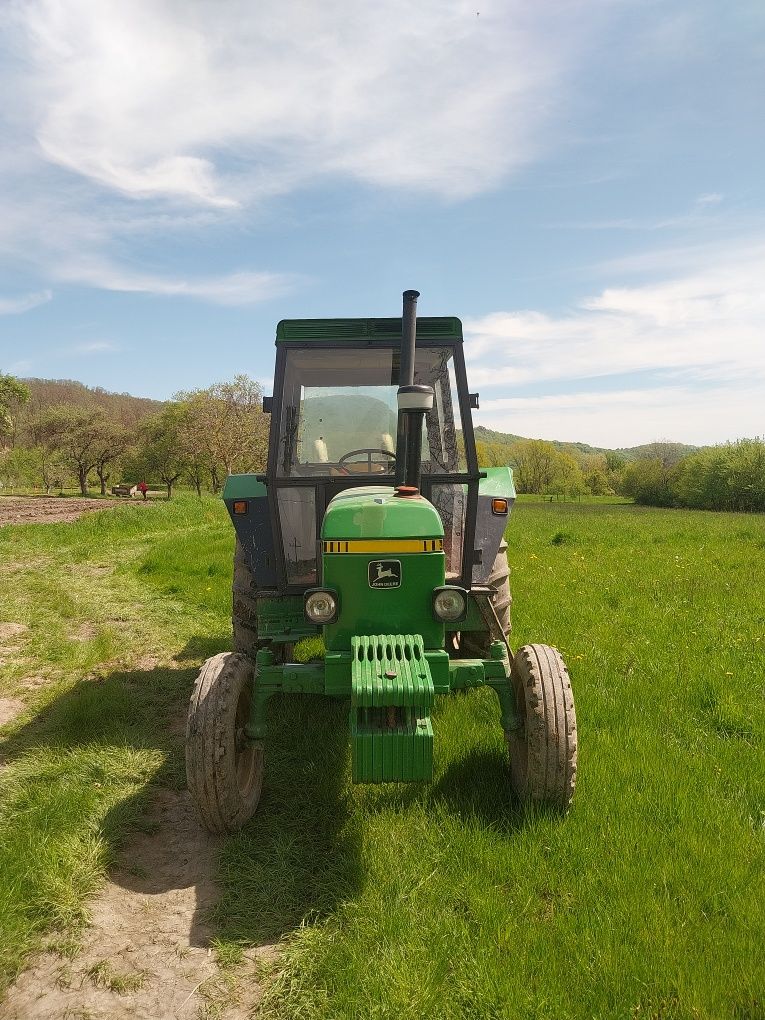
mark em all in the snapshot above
pixel 334 424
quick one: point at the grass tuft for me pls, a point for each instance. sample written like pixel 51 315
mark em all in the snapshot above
pixel 103 975
pixel 563 538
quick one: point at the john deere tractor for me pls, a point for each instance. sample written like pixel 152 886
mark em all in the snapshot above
pixel 374 531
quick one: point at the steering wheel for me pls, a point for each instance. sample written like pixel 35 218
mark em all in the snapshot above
pixel 368 452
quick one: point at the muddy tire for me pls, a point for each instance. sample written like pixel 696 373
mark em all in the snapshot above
pixel 543 752
pixel 244 614
pixel 475 644
pixel 224 773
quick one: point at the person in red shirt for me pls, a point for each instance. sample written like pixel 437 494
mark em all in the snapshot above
pixel 143 488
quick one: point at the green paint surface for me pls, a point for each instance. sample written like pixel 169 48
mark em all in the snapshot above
pixel 382 331
pixel 365 610
pixel 244 487
pixel 498 482
pixel 374 511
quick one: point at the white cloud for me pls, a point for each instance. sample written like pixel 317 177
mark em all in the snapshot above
pixel 19 367
pixel 24 302
pixel 242 288
pixel 151 98
pixel 622 418
pixel 700 335
pixel 95 347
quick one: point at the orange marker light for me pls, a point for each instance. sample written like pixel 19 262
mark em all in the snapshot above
pixel 499 506
pixel 240 506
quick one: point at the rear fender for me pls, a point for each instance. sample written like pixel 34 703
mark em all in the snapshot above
pixel 489 526
pixel 253 526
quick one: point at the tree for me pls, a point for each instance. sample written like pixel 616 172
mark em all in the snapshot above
pixel 196 450
pixel 567 478
pixel 594 469
pixel 535 463
pixel 649 482
pixel 668 454
pixel 111 444
pixel 492 454
pixel 160 450
pixel 13 396
pixel 18 468
pixel 76 434
pixel 226 429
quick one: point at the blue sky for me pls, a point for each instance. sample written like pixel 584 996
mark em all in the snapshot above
pixel 581 182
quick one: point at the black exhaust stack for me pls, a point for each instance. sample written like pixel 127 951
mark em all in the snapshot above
pixel 413 404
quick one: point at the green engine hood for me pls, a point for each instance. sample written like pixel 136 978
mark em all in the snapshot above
pixel 373 511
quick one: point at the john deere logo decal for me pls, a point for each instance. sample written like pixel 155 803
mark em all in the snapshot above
pixel 385 574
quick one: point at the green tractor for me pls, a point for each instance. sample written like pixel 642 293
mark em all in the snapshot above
pixel 375 542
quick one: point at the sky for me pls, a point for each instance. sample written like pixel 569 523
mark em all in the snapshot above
pixel 582 182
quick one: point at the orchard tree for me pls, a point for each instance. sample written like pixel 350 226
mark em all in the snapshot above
pixel 110 445
pixel 76 435
pixel 18 468
pixel 160 452
pixel 13 396
pixel 226 429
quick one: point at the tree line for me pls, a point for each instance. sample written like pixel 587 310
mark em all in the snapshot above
pixel 54 436
pixel 541 468
pixel 729 476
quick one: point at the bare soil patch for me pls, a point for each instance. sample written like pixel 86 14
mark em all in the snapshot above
pixel 8 630
pixel 9 709
pixel 49 509
pixel 146 953
pixel 85 632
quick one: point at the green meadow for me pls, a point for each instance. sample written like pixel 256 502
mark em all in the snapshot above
pixel 448 900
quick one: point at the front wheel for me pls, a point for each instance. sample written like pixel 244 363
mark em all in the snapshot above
pixel 543 751
pixel 224 771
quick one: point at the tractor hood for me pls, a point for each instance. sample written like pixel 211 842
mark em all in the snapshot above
pixel 375 511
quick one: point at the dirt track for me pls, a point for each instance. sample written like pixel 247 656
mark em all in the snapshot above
pixel 49 509
pixel 146 954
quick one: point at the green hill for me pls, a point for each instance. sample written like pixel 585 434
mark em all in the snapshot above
pixel 666 451
pixel 121 407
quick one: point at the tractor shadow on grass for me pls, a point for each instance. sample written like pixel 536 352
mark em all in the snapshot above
pixel 300 856
pixel 294 861
pixel 475 788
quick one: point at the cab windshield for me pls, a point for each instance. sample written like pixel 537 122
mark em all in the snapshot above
pixel 339 412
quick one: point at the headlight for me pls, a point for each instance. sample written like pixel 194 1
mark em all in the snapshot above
pixel 321 605
pixel 449 604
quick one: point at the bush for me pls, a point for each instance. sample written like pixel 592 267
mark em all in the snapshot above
pixel 650 483
pixel 729 477
pixel 726 477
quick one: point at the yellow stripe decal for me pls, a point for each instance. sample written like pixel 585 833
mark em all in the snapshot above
pixel 383 546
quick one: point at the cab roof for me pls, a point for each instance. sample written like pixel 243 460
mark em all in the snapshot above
pixel 383 331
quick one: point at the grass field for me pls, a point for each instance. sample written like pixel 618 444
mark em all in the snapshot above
pixel 446 900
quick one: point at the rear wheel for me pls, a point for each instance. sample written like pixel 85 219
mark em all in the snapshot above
pixel 224 771
pixel 543 752
pixel 244 614
pixel 475 644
